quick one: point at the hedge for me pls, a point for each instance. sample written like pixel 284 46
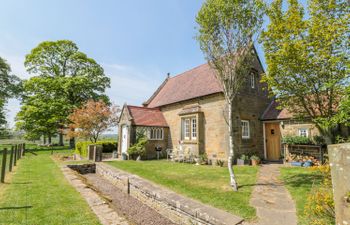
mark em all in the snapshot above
pixel 82 146
pixel 297 140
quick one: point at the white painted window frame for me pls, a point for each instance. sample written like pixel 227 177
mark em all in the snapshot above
pixel 156 133
pixel 245 124
pixel 194 128
pixel 187 128
pixel 301 130
pixel 252 80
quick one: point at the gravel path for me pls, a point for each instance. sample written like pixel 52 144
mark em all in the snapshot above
pixel 131 208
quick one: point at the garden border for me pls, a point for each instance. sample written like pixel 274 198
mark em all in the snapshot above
pixel 177 208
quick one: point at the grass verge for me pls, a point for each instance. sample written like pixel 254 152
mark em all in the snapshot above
pixel 207 184
pixel 38 193
pixel 299 182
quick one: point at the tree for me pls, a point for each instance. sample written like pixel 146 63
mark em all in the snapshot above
pixel 80 77
pixel 92 119
pixel 226 31
pixel 343 113
pixel 42 113
pixel 10 86
pixel 308 59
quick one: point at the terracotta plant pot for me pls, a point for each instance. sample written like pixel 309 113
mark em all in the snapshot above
pixel 255 162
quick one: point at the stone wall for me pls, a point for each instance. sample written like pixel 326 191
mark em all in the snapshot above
pixel 291 128
pixel 179 209
pixel 339 156
pixel 213 128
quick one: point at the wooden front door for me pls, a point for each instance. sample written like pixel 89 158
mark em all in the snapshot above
pixel 273 141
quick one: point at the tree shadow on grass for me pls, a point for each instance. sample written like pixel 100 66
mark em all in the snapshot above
pixel 16 207
pixel 297 180
pixel 260 184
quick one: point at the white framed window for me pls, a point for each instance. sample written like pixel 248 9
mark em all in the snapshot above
pixel 252 80
pixel 189 130
pixel 303 132
pixel 156 133
pixel 245 129
pixel 194 128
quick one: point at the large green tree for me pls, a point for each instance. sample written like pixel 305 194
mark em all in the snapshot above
pixel 226 32
pixel 42 112
pixel 80 78
pixel 10 86
pixel 308 58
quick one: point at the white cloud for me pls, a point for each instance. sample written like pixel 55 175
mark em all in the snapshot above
pixel 131 85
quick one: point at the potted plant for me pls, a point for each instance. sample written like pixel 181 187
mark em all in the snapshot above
pixel 255 160
pixel 243 160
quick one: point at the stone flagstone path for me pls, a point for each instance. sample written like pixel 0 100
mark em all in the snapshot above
pixel 99 206
pixel 272 201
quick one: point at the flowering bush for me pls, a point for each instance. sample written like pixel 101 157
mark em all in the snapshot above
pixel 319 207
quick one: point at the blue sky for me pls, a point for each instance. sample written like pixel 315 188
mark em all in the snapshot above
pixel 136 41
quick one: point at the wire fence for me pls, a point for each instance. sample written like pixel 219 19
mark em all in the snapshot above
pixel 9 156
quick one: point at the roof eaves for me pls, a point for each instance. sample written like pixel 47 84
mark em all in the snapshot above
pixel 146 103
pixel 170 103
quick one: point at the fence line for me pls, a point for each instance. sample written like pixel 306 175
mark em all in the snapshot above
pixel 15 153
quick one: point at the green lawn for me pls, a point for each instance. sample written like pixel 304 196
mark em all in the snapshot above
pixel 207 184
pixel 38 193
pixel 299 182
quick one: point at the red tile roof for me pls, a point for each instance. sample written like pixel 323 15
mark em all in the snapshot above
pixel 272 113
pixel 147 117
pixel 197 82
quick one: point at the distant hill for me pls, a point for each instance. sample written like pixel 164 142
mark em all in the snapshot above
pixel 109 136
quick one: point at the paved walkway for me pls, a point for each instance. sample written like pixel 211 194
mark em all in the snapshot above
pixel 100 206
pixel 271 199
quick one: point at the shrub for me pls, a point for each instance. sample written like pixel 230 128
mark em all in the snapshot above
pixel 319 208
pixel 138 149
pixel 203 158
pixel 296 140
pixel 244 157
pixel 220 162
pixel 339 139
pixel 255 157
pixel 81 147
pixel 318 140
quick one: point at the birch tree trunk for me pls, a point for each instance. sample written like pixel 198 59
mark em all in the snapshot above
pixel 233 182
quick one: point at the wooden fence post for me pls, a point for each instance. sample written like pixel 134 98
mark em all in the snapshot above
pixel 24 149
pixel 19 151
pixel 15 156
pixel 3 165
pixel 11 158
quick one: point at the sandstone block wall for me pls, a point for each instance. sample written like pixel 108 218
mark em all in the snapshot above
pixel 339 156
pixel 291 128
pixel 179 209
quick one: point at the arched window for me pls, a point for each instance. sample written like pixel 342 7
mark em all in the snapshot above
pixel 156 133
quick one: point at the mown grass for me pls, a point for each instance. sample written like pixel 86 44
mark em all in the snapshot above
pixel 207 184
pixel 38 193
pixel 299 182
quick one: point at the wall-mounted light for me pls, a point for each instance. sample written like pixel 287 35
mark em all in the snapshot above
pixel 282 124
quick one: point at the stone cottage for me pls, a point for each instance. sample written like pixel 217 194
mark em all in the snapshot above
pixel 190 110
